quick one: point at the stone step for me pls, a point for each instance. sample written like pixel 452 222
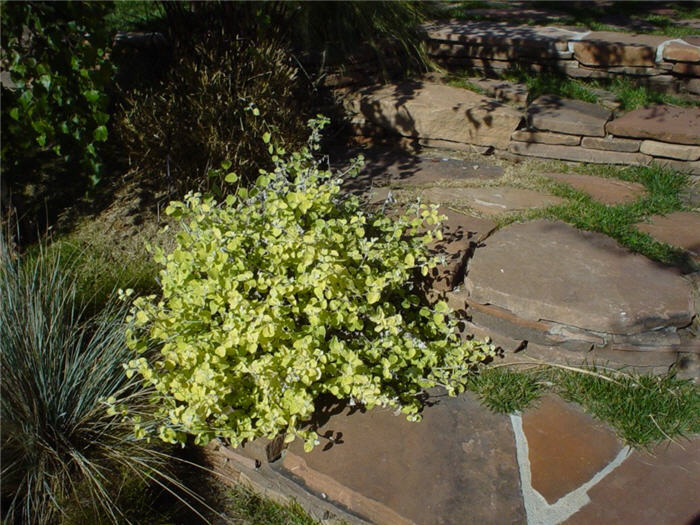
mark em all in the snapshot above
pixel 662 123
pixel 578 154
pixel 575 117
pixel 490 201
pixel 607 191
pixel 459 461
pixel 435 111
pixel 544 270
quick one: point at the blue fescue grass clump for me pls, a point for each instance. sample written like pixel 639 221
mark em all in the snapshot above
pixel 60 446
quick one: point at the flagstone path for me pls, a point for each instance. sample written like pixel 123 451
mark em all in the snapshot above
pixel 540 289
pixel 568 295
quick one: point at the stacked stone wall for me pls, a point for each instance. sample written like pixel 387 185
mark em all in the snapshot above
pixel 660 62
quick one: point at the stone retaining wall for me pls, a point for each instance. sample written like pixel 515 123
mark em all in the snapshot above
pixel 436 115
pixel 573 130
pixel 660 62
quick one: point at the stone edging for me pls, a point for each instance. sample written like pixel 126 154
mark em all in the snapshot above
pixel 662 63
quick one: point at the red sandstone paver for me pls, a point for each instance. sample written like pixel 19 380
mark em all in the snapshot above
pixel 664 123
pixel 552 271
pixel 607 191
pixel 457 466
pixel 658 488
pixel 566 447
pixel 680 229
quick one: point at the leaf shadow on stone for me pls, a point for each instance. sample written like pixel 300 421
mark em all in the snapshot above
pixel 383 165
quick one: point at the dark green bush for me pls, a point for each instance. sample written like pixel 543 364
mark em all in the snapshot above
pixel 54 104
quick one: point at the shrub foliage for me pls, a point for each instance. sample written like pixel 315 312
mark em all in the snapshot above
pixel 54 103
pixel 287 291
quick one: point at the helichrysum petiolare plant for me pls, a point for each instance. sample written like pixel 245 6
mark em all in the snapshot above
pixel 284 292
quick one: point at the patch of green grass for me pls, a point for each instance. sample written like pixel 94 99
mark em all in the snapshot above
pixel 506 391
pixel 550 84
pixel 462 81
pixel 663 189
pixel 132 15
pixel 632 96
pixel 641 409
pixel 245 506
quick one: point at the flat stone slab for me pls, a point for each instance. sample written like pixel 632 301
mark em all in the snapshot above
pixel 610 48
pixel 395 167
pixel 504 34
pixel 607 191
pixel 664 123
pixel 578 154
pixel 671 151
pixel 610 143
pixel 459 231
pixel 566 447
pixel 546 137
pixel 459 461
pixel 435 111
pixel 680 229
pixel 681 52
pixel 490 201
pixel 659 487
pixel 545 270
pixel 575 117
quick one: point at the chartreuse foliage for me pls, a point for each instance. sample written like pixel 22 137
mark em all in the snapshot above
pixel 287 291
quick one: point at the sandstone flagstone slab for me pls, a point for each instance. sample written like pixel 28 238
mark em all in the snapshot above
pixel 684 166
pixel 578 154
pixel 458 463
pixel 611 143
pixel 575 117
pixel 553 38
pixel 590 281
pixel 680 229
pixel 686 68
pixel 681 52
pixel 459 231
pixel 609 48
pixel 490 201
pixel 546 137
pixel 664 123
pixel 657 487
pixel 607 191
pixel 435 111
pixel 566 447
pixel 673 151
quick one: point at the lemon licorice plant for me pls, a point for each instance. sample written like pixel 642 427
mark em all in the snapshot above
pixel 287 291
pixel 62 452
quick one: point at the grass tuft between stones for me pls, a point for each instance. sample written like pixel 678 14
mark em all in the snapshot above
pixel 663 195
pixel 642 409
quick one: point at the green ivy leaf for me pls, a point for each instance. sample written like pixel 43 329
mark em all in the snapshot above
pixel 100 134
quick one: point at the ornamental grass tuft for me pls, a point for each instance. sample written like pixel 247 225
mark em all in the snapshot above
pixel 62 451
